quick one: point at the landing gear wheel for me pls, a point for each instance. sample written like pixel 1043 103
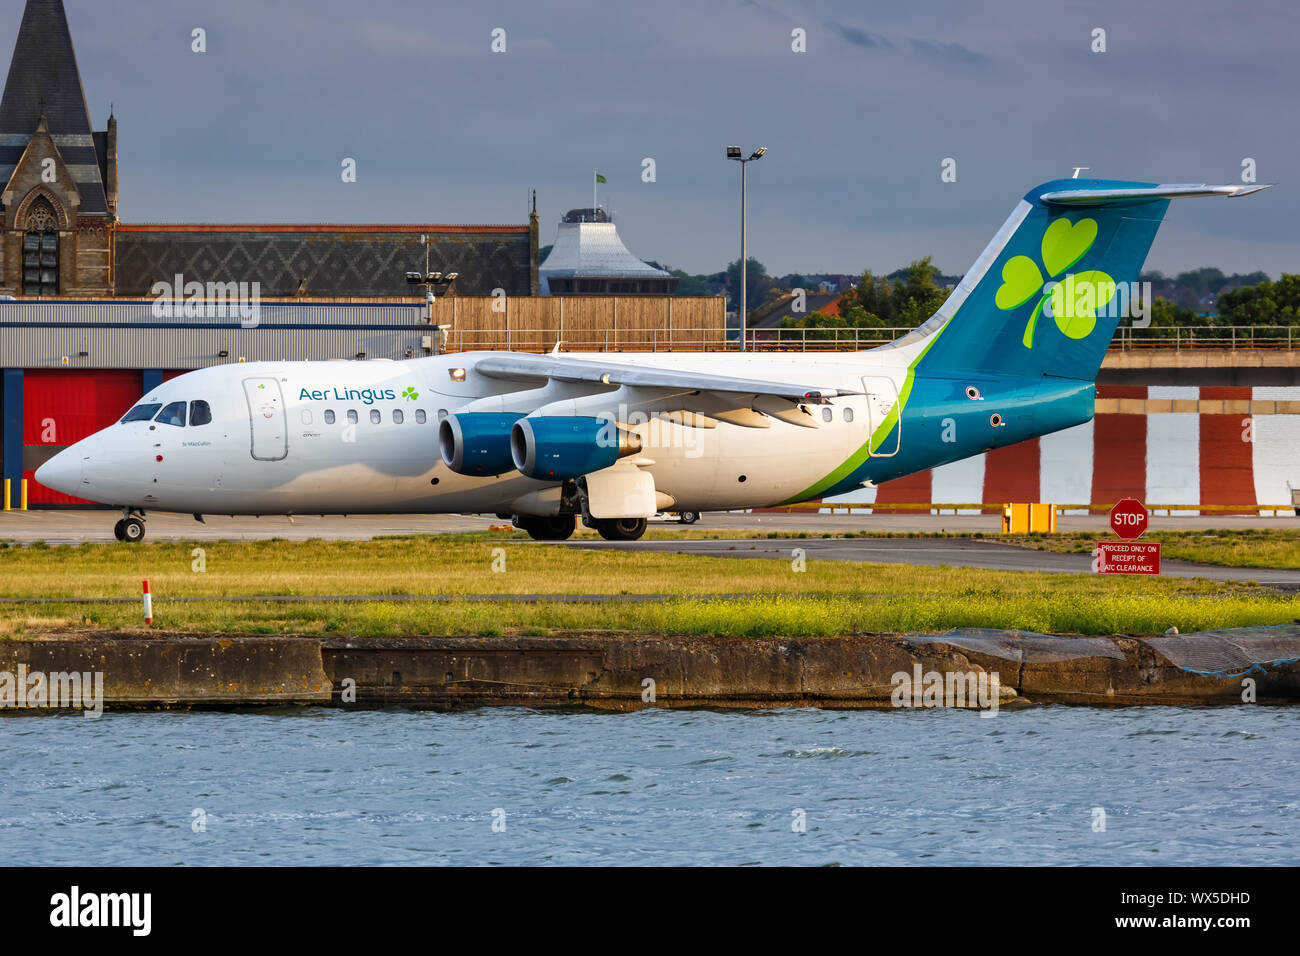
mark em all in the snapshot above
pixel 117 529
pixel 557 528
pixel 689 517
pixel 620 529
pixel 132 530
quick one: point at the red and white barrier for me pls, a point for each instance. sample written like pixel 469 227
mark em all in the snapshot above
pixel 1163 457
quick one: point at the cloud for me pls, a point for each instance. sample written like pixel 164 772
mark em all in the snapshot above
pixel 764 9
pixel 936 49
pixel 860 38
pixel 946 51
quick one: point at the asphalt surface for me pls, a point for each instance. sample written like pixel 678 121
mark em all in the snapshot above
pixel 76 527
pixel 933 552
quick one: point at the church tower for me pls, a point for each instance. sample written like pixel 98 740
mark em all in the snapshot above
pixel 59 198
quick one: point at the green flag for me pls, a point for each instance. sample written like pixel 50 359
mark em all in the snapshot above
pixel 600 178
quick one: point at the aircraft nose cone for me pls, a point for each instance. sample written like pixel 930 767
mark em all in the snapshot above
pixel 62 472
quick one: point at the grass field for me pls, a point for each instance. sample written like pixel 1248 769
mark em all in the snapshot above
pixel 1263 548
pixel 764 596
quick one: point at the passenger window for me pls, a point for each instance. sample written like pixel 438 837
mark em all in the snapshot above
pixel 329 416
pixel 141 413
pixel 420 416
pixel 200 413
pixel 352 416
pixel 827 414
pixel 442 413
pixel 375 417
pixel 397 416
pixel 306 416
pixel 173 414
pixel 848 414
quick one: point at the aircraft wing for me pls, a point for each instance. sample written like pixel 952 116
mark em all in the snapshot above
pixel 565 369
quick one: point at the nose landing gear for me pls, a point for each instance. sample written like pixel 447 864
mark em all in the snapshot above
pixel 130 527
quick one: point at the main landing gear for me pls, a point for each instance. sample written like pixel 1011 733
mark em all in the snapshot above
pixel 619 529
pixel 561 527
pixel 555 528
pixel 130 527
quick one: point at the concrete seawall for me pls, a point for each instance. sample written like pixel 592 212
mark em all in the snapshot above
pixel 624 672
pixel 180 671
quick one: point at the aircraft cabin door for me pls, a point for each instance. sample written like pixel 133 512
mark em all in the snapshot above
pixel 882 401
pixel 270 431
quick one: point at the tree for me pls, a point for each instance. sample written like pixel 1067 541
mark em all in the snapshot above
pixel 758 283
pixel 876 303
pixel 1268 303
pixel 688 284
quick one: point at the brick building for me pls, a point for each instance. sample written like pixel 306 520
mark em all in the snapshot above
pixel 62 235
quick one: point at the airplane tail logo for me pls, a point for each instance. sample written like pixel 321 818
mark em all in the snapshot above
pixel 1073 303
pixel 1047 294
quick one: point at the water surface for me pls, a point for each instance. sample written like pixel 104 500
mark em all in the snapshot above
pixel 321 786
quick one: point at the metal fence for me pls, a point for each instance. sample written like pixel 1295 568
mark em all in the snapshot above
pixel 1229 337
pixel 1178 338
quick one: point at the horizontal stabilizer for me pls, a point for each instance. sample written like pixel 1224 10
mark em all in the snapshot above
pixel 1106 196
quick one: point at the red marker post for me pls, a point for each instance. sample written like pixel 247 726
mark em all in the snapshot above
pixel 148 604
pixel 1129 520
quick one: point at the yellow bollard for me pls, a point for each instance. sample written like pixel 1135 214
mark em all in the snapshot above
pixel 23 498
pixel 1040 517
pixel 1028 518
pixel 6 494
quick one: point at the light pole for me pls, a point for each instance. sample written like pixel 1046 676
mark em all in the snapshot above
pixel 733 152
pixel 431 282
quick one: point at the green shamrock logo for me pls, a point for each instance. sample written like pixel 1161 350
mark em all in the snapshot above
pixel 410 394
pixel 1076 300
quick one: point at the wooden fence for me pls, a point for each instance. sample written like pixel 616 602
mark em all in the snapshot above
pixel 582 323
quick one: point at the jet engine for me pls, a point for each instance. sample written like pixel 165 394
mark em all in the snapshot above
pixel 561 447
pixel 477 443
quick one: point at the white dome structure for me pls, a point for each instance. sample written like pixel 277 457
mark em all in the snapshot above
pixel 589 258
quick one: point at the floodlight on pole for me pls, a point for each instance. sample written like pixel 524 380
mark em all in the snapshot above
pixel 734 152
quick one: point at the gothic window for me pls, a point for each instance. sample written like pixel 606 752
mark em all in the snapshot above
pixel 41 250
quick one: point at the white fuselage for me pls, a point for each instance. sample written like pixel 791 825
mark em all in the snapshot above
pixel 339 437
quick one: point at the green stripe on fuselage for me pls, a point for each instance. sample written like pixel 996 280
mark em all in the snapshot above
pixel 859 457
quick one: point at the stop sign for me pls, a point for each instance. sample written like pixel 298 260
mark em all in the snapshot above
pixel 1128 518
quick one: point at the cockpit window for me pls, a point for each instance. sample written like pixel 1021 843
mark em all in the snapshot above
pixel 173 414
pixel 141 413
pixel 200 413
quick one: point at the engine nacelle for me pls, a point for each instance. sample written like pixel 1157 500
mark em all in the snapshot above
pixel 477 443
pixel 560 447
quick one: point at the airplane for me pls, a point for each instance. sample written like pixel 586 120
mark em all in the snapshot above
pixel 613 439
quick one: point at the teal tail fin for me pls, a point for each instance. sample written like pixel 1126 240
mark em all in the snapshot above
pixel 1047 294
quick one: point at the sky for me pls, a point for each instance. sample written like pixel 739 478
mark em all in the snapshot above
pixel 445 130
